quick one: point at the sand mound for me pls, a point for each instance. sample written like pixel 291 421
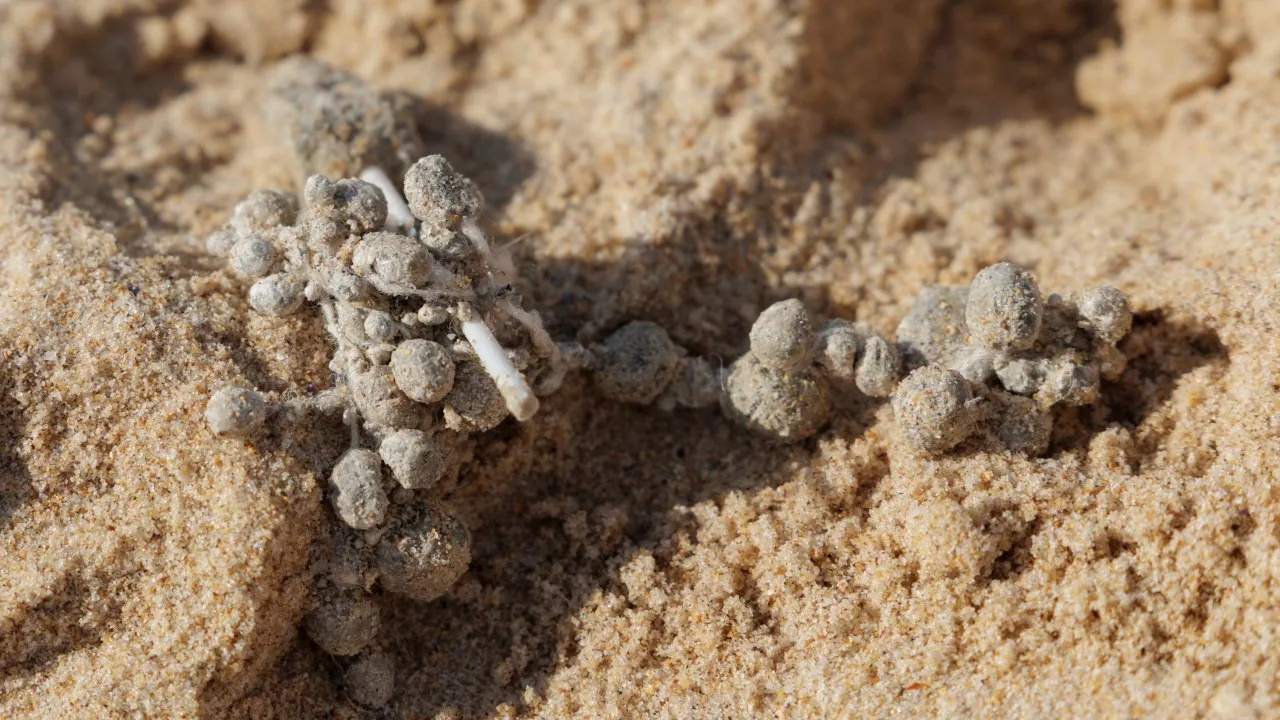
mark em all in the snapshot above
pixel 686 163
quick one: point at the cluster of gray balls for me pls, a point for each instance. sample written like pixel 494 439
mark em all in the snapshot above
pixel 433 344
pixel 996 357
pixel 410 316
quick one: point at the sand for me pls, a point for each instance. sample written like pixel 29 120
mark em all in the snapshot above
pixel 686 163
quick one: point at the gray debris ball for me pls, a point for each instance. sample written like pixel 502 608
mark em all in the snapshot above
pixel 636 363
pixel 932 409
pixel 235 410
pixel 423 370
pixel 423 557
pixel 1105 311
pixel 263 210
pixel 253 256
pixel 342 623
pixel 1004 308
pixel 783 405
pixel 878 367
pixel 358 497
pixel 781 337
pixel 277 295
pixel 440 196
pixel 415 459
pixel 371 679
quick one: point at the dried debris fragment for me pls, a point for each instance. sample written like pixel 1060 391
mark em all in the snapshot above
pixel 417 358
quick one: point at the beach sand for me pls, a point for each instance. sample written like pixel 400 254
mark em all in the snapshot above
pixel 686 163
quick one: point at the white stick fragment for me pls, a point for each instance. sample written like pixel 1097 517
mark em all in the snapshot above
pixel 515 390
pixel 399 219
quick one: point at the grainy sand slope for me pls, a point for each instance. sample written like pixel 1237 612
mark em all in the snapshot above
pixel 686 163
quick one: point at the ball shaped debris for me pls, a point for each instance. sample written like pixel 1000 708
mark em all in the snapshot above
pixel 235 410
pixel 636 363
pixel 1004 308
pixel 342 622
pixel 371 679
pixel 358 497
pixel 422 370
pixel 932 409
pixel 423 556
pixel 415 459
pixel 785 406
pixel 781 336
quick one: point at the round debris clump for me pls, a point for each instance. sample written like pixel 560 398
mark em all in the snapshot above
pixel 931 407
pixel 358 498
pixel 1105 311
pixel 474 404
pixel 235 410
pixel 1004 308
pixel 380 400
pixel 263 210
pixel 276 295
pixel 253 256
pixel 879 367
pixel 422 370
pixel 839 343
pixel 415 459
pixel 342 623
pixel 439 196
pixel 371 679
pixel 781 337
pixel 423 557
pixel 781 405
pixel 637 363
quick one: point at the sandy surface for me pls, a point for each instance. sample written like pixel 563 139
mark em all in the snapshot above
pixel 687 163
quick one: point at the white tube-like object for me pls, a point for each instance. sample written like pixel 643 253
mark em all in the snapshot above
pixel 521 401
pixel 399 219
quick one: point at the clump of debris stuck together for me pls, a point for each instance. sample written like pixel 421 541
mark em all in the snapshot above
pixel 432 343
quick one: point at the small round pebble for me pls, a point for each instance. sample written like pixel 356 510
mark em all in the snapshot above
pixel 415 459
pixel 1004 308
pixel 879 367
pixel 424 556
pixel 277 295
pixel 781 337
pixel 1105 310
pixel 371 679
pixel 786 406
pixel 253 256
pixel 423 370
pixel 342 623
pixel 439 196
pixel 235 410
pixel 931 407
pixel 637 363
pixel 359 499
